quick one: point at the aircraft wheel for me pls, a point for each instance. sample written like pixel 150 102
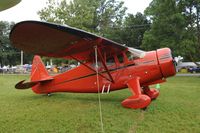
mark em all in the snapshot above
pixel 152 93
pixel 49 94
pixel 137 102
pixel 144 109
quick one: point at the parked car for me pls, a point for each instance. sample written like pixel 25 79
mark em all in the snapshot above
pixel 194 70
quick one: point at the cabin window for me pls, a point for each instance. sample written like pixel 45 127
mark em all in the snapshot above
pixel 130 56
pixel 135 53
pixel 120 58
pixel 110 61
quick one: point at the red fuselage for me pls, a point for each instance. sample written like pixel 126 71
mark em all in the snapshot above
pixel 153 68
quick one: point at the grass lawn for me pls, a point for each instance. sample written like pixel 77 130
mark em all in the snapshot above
pixel 176 110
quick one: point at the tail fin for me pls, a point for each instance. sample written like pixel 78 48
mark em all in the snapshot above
pixel 38 74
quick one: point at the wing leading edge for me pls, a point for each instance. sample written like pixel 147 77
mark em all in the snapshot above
pixel 48 39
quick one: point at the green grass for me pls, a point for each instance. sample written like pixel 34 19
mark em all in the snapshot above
pixel 176 110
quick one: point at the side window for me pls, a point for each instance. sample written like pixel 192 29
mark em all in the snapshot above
pixel 120 58
pixel 110 61
pixel 130 56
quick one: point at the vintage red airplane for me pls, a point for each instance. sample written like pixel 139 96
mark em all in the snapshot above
pixel 105 65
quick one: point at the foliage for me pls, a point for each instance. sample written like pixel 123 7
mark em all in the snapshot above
pixel 191 11
pixel 175 110
pixel 6 51
pixel 8 54
pixel 136 25
pixel 90 15
pixel 175 24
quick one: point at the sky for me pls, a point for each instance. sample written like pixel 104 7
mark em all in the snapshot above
pixel 27 9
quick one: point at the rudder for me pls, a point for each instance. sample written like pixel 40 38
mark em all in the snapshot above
pixel 39 72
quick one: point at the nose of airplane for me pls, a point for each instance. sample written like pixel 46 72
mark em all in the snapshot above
pixel 166 62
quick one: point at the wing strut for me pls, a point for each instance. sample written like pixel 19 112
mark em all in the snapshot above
pixel 104 65
pixel 89 67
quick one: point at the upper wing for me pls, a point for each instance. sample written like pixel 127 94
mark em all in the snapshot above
pixel 54 40
pixel 5 4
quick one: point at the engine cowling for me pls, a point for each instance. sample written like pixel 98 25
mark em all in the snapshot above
pixel 165 62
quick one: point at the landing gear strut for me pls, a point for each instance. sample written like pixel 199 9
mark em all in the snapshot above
pixel 138 100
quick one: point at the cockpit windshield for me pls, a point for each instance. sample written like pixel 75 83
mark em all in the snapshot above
pixel 136 52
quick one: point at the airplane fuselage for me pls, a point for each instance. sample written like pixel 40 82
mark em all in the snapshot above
pixel 153 68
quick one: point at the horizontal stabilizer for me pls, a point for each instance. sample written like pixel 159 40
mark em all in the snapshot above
pixel 27 85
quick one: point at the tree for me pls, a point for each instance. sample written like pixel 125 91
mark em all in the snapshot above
pixel 174 25
pixel 8 54
pixel 91 15
pixel 191 11
pixel 136 25
pixel 6 51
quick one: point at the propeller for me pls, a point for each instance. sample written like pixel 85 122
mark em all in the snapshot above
pixel 177 60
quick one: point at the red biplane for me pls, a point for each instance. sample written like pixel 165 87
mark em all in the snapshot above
pixel 105 65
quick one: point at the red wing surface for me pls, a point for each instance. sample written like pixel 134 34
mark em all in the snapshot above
pixel 47 39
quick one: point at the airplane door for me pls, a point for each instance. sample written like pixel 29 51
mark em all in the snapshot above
pixel 128 64
pixel 122 70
